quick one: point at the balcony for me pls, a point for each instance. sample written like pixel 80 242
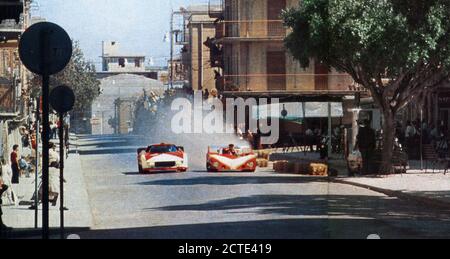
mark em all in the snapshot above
pixel 181 37
pixel 278 83
pixel 255 30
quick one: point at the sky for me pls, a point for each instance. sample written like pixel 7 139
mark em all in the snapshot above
pixel 138 25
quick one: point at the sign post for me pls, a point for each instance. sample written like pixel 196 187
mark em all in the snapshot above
pixel 62 100
pixel 45 49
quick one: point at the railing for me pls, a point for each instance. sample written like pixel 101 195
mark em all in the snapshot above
pixel 290 82
pixel 10 24
pixel 254 29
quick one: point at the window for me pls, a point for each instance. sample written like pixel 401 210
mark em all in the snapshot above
pixel 121 62
pixel 163 149
pixel 137 62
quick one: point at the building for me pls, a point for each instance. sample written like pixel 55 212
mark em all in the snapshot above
pixel 251 61
pixel 124 112
pixel 250 34
pixel 109 111
pixel 14 98
pixel 114 62
pixel 198 29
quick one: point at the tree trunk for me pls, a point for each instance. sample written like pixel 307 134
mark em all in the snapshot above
pixel 388 142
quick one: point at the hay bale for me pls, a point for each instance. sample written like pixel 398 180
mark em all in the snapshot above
pixel 280 166
pixel 289 168
pixel 263 163
pixel 317 169
pixel 302 168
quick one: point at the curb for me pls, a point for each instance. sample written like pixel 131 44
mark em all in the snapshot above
pixel 437 204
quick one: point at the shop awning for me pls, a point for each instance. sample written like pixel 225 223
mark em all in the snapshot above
pixel 299 110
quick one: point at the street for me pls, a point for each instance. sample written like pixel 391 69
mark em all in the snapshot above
pixel 264 205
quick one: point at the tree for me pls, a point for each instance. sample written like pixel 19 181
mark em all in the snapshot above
pixel 80 75
pixel 397 49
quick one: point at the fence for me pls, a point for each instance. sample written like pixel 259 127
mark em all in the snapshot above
pixel 292 82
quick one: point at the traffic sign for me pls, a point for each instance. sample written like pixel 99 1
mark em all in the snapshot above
pixel 62 99
pixel 45 48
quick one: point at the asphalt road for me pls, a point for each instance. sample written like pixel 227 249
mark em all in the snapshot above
pixel 263 205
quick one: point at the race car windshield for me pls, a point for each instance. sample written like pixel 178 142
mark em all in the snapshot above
pixel 163 149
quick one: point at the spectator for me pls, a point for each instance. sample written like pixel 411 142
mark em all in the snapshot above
pixel 33 140
pixel 410 136
pixel 15 165
pixel 337 136
pixel 54 161
pixel 442 147
pixel 24 166
pixel 411 130
pixel 434 135
pixel 399 133
pixel 309 137
pixel 6 174
pixel 54 130
pixel 365 142
pixel 3 188
pixel 206 94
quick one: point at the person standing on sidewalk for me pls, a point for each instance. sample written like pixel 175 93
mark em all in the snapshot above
pixel 6 175
pixel 3 188
pixel 365 142
pixel 15 165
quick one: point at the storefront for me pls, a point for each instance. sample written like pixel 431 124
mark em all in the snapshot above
pixel 443 97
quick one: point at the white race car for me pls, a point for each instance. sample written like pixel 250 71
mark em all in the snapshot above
pixel 162 158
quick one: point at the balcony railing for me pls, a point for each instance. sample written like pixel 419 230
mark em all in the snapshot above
pixel 254 29
pixel 10 24
pixel 287 82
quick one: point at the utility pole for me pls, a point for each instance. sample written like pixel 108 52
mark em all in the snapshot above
pixel 171 50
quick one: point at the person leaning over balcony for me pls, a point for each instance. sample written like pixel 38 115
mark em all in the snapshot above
pixel 15 165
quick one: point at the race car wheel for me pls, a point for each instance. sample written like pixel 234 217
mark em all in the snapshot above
pixel 210 169
pixel 140 169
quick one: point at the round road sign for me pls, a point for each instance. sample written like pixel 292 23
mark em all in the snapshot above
pixel 45 48
pixel 62 99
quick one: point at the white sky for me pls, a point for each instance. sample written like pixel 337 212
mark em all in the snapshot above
pixel 139 25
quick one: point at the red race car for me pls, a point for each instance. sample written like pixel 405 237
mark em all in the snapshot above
pixel 230 159
pixel 162 158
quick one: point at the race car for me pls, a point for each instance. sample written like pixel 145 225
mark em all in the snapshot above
pixel 162 158
pixel 230 159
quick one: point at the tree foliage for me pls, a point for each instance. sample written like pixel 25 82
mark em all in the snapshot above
pixel 397 49
pixel 80 75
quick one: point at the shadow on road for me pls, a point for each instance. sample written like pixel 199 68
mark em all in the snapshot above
pixel 237 179
pixel 264 229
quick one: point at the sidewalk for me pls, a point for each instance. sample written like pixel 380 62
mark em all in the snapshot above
pixel 430 189
pixel 427 189
pixel 76 199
